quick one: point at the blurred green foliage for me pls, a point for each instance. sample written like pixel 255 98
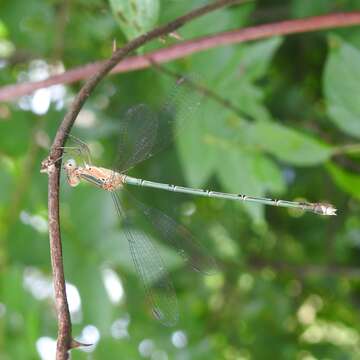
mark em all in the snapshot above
pixel 135 17
pixel 288 283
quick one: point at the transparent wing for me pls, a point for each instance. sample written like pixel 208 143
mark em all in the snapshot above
pixel 78 149
pixel 152 273
pixel 145 133
pixel 180 238
pixel 137 136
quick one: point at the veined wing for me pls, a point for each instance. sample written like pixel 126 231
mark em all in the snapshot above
pixel 152 272
pixel 137 136
pixel 144 133
pixel 180 238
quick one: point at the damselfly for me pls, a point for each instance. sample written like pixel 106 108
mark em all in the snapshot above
pixel 143 134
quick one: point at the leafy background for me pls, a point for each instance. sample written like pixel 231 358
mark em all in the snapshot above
pixel 288 283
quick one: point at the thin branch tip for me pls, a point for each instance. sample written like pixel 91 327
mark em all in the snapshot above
pixel 77 344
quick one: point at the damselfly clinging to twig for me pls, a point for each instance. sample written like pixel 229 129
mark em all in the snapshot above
pixel 144 134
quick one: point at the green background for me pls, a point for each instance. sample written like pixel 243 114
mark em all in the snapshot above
pixel 288 283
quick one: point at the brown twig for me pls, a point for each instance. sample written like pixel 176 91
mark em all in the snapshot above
pixel 52 166
pixel 189 47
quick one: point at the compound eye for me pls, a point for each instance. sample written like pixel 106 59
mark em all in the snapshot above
pixel 70 163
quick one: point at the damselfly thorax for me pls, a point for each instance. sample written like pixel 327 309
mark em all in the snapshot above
pixel 103 178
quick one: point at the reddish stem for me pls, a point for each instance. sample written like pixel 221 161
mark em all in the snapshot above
pixel 189 47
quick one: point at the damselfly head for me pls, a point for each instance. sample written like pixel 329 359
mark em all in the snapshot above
pixel 71 173
pixel 70 165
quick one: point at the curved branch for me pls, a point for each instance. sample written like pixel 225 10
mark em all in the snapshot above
pixel 189 47
pixel 52 167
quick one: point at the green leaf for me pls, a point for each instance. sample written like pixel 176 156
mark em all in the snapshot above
pixel 135 17
pixel 197 157
pixel 287 144
pixel 342 86
pixel 249 62
pixel 247 97
pixel 301 8
pixel 269 175
pixel 307 8
pixel 38 17
pixel 249 174
pixel 235 79
pixel 15 133
pixel 7 179
pixel 213 21
pixel 349 182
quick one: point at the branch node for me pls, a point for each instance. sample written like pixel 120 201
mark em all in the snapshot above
pixel 76 344
pixel 47 166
